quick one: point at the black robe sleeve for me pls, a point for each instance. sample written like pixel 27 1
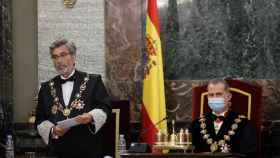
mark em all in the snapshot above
pixel 248 141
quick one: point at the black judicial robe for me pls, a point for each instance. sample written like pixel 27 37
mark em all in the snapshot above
pixel 78 142
pixel 243 141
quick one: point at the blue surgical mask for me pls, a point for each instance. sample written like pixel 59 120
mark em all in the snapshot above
pixel 216 104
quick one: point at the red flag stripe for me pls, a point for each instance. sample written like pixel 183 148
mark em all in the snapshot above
pixel 152 12
pixel 148 128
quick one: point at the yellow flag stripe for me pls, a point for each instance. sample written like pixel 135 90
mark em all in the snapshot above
pixel 153 86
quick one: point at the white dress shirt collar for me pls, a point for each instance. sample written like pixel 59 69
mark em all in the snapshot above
pixel 221 114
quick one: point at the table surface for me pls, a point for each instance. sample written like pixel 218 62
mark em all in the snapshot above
pixel 181 155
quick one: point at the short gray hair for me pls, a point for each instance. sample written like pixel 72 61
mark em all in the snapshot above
pixel 68 44
pixel 216 81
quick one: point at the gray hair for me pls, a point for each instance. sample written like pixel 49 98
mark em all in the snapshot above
pixel 216 81
pixel 68 44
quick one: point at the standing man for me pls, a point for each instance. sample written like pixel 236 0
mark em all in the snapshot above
pixel 72 94
pixel 223 130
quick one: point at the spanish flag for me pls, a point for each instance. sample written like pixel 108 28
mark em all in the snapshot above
pixel 153 110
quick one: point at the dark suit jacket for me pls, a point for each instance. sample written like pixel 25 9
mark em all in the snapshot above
pixel 244 140
pixel 78 141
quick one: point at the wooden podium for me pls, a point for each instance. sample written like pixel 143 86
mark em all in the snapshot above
pixel 182 155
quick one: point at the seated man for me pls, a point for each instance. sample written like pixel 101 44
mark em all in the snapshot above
pixel 223 130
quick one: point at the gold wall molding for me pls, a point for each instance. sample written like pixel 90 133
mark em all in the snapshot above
pixel 69 3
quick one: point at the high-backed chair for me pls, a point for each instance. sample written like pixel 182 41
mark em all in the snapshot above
pixel 246 100
pixel 117 123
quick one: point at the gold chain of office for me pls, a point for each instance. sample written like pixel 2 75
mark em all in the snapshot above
pixel 77 103
pixel 214 145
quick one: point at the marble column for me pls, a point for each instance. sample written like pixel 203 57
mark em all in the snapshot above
pixel 124 43
pixel 6 62
pixel 6 68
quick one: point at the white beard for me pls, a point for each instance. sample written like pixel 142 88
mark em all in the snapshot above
pixel 65 71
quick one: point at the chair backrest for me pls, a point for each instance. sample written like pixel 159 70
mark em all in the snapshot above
pixel 118 123
pixel 246 100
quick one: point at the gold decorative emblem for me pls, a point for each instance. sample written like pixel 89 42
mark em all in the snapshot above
pixel 203 125
pixel 75 104
pixel 225 148
pixel 202 119
pixel 51 83
pixel 214 146
pixel 54 109
pixel 78 104
pixel 221 142
pixel 226 137
pixel 231 132
pixel 234 126
pixel 237 120
pixel 209 141
pixel 203 131
pixel 242 116
pixel 66 112
pixel 206 136
pixel 69 3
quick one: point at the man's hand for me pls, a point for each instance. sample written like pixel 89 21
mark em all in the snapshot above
pixel 58 131
pixel 84 118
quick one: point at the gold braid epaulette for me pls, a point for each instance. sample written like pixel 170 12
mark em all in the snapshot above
pixel 215 144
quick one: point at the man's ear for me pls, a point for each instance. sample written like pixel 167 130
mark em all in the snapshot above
pixel 74 57
pixel 228 96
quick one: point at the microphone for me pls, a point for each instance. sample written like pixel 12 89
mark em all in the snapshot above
pixel 150 127
pixel 136 147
